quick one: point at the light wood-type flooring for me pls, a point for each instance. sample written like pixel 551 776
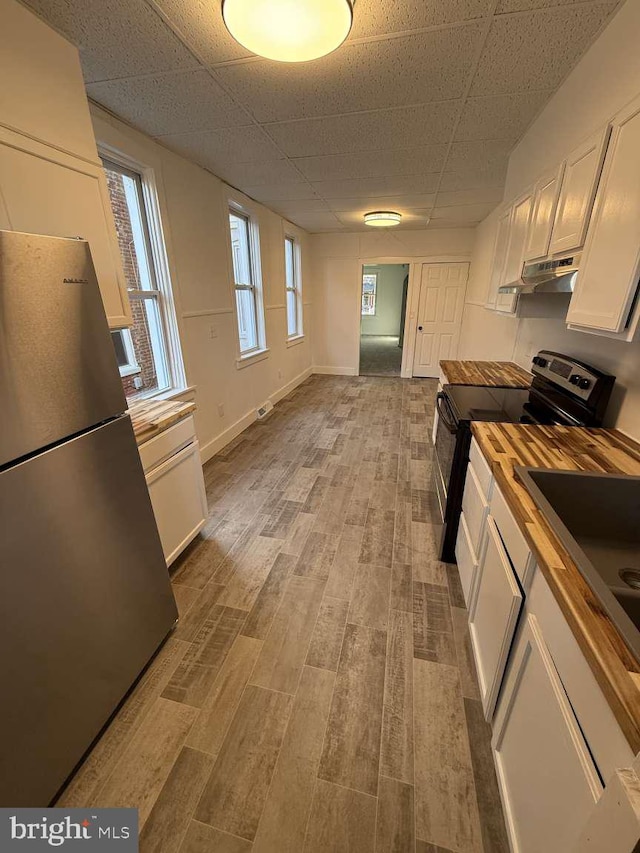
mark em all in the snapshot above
pixel 318 693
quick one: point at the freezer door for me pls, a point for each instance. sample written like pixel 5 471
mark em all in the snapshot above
pixel 85 601
pixel 58 371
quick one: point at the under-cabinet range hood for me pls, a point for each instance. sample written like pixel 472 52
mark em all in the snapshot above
pixel 553 276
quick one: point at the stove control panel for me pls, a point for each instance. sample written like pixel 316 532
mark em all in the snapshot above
pixel 571 376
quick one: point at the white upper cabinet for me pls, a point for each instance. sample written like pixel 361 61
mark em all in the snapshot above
pixel 51 180
pixel 608 278
pixel 545 203
pixel 517 239
pixel 48 192
pixel 499 256
pixel 579 184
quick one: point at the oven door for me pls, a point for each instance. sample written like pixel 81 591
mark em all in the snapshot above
pixel 445 445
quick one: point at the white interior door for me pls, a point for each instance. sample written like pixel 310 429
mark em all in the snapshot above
pixel 442 289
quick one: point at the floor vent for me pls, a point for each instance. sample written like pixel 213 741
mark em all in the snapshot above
pixel 264 410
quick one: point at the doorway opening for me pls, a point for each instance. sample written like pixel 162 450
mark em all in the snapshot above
pixel 382 318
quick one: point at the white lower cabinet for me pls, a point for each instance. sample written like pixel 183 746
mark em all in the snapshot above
pixel 173 470
pixel 548 781
pixel 493 616
pixel 178 499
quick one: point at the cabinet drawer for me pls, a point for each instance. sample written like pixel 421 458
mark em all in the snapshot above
pixel 514 542
pixel 475 508
pixel 493 617
pixel 606 740
pixel 166 443
pixel 548 783
pixel 466 559
pixel 178 498
pixel 481 469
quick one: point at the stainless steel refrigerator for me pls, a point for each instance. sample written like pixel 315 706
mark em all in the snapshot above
pixel 85 598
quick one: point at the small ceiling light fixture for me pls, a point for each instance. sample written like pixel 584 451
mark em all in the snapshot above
pixel 289 30
pixel 382 218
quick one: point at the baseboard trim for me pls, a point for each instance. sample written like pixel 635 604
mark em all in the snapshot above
pixel 330 370
pixel 215 445
pixel 289 387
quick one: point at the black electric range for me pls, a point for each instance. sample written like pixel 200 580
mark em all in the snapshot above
pixel 563 392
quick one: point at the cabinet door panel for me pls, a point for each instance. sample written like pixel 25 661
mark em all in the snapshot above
pixel 178 498
pixel 493 616
pixel 610 266
pixel 499 257
pixel 545 202
pixel 548 783
pixel 579 184
pixel 65 198
pixel 517 237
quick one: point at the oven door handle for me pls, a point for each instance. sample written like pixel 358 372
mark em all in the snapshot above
pixel 441 403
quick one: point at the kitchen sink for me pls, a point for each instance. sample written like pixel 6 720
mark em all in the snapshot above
pixel 597 519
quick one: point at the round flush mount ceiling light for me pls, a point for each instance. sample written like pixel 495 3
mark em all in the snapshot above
pixel 382 218
pixel 289 30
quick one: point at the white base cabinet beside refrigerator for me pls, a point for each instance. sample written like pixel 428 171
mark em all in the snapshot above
pixel 173 470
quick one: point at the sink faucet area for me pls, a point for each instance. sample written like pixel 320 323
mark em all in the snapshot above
pixel 596 517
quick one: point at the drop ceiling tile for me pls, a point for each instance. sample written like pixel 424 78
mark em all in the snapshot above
pixel 371 17
pixel 459 181
pixel 269 193
pixel 231 145
pixel 432 66
pixel 116 38
pixel 243 175
pixel 317 222
pixel 462 214
pixel 491 195
pixel 176 102
pixel 499 116
pixel 404 202
pixel 535 50
pixel 372 187
pixel 372 164
pixel 505 6
pixel 201 25
pixel 374 131
pixel 480 158
pixel 292 209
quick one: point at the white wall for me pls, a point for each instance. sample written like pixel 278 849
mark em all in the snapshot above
pixel 194 210
pixel 389 287
pixel 337 261
pixel 606 78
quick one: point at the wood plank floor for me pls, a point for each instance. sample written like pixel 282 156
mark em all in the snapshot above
pixel 319 691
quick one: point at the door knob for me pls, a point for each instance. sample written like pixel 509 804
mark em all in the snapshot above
pixel 419 328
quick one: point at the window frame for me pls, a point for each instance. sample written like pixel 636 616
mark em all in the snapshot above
pixel 375 294
pixel 255 286
pixel 161 293
pixel 296 288
pixel 131 368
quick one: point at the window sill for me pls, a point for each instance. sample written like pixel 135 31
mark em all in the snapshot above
pixel 132 370
pixel 296 339
pixel 252 358
pixel 187 394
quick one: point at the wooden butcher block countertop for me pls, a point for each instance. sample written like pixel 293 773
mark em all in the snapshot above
pixel 497 374
pixel 570 448
pixel 151 417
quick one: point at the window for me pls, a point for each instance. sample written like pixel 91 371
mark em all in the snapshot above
pixel 369 286
pixel 292 282
pixel 142 352
pixel 245 279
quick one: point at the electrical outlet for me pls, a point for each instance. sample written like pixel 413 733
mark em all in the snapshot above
pixel 213 331
pixel 220 410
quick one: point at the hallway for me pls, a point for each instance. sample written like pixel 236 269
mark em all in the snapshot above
pixel 318 693
pixel 380 355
